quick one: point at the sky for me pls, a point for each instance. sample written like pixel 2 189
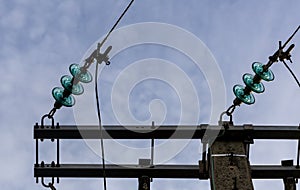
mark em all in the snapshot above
pixel 40 39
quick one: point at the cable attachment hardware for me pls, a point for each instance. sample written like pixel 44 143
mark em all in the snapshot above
pixel 50 184
pixel 229 113
pixel 226 123
pixel 99 57
pixel 282 55
pixel 230 110
pixel 286 55
pixel 52 112
pixel 49 116
pixel 103 57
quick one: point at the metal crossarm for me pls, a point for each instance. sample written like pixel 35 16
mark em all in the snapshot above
pixel 227 133
pixel 157 171
pixel 237 132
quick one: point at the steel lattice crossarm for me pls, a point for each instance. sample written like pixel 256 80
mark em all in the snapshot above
pixel 236 132
pixel 156 171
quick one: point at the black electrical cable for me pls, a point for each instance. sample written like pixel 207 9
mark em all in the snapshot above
pixel 97 95
pixel 115 25
pixel 100 126
pixel 291 37
pixel 292 73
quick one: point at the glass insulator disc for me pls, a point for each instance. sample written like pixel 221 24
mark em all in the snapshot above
pixel 255 87
pixel 238 91
pixel 259 70
pixel 84 77
pixel 67 83
pixel 58 94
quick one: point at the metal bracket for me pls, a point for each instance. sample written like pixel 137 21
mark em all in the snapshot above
pixel 144 183
pixel 50 184
pixel 289 182
pixel 226 124
pixel 52 140
pixel 145 163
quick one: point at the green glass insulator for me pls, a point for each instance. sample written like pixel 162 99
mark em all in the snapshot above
pixel 259 70
pixel 84 77
pixel 58 94
pixel 67 83
pixel 239 92
pixel 255 87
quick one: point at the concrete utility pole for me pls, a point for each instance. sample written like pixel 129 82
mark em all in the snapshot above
pixel 229 166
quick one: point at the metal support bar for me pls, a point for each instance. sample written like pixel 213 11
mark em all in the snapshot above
pixel 36 151
pixel 157 171
pixel 298 153
pixel 37 156
pixel 247 149
pixel 152 152
pixel 166 132
pixel 57 157
pixel 203 163
pixel 152 147
pixel 57 154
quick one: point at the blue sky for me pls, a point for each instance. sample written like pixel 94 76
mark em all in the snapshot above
pixel 40 39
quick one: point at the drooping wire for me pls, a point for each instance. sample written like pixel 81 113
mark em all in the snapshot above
pixel 100 126
pixel 97 95
pixel 292 73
